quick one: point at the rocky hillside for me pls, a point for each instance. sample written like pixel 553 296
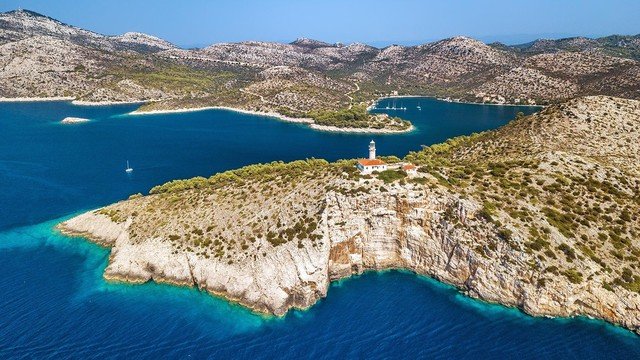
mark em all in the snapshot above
pixel 23 24
pixel 42 57
pixel 542 214
pixel 615 45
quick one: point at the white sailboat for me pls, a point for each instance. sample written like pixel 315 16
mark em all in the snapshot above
pixel 128 169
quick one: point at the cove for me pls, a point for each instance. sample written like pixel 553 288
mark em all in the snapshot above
pixel 54 169
pixel 55 303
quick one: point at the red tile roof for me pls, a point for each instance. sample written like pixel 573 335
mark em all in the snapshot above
pixel 408 167
pixel 368 162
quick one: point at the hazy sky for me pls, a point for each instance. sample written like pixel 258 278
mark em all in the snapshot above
pixel 198 22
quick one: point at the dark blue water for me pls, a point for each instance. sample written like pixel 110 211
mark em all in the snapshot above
pixel 54 303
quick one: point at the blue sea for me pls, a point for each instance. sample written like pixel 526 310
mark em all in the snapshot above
pixel 55 304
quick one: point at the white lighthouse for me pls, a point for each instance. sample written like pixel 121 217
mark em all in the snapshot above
pixel 372 150
pixel 368 166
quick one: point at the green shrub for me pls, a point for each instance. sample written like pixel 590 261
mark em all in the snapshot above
pixel 568 251
pixel 488 211
pixel 389 176
pixel 505 234
pixel 574 276
pixel 356 117
pixel 257 171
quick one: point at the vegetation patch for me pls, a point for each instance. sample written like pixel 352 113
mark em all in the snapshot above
pixel 389 176
pixel 357 117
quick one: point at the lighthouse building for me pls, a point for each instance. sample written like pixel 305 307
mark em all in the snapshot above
pixel 367 166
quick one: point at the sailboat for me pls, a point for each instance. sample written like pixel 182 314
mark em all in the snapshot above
pixel 128 170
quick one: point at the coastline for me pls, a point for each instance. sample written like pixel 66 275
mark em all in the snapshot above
pixel 491 104
pixel 272 115
pixel 266 314
pixel 276 116
pixel 107 239
pixel 360 130
pixel 36 99
pixel 73 100
pixel 452 101
pixel 242 111
pixel 107 103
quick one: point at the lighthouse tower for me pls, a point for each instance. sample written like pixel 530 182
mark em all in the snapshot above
pixel 372 150
pixel 371 165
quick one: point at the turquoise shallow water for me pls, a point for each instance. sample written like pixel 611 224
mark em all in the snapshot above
pixel 55 304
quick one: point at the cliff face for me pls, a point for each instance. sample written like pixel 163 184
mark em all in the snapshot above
pixel 432 233
pixel 274 283
pixel 439 235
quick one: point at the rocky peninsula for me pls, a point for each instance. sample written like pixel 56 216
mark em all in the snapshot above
pixel 358 121
pixel 542 214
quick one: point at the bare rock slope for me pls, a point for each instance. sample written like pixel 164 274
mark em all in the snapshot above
pixel 43 57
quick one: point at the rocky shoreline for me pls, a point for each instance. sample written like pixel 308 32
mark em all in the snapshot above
pixel 106 103
pixel 273 115
pixel 260 288
pixel 360 130
pixel 276 116
pixel 228 108
pixel 35 99
pixel 396 230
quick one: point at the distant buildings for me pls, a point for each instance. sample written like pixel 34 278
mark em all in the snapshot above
pixel 372 164
pixel 410 169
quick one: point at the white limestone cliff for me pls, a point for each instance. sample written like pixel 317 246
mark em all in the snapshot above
pixel 432 233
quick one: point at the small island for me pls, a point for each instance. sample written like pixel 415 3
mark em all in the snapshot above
pixel 74 120
pixel 542 214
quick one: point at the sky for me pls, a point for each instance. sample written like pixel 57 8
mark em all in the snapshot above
pixel 197 23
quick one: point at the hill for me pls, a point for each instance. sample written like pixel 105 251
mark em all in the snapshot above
pixel 42 57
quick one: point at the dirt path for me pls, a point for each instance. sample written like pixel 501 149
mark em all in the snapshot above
pixel 351 92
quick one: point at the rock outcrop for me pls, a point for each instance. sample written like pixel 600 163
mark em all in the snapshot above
pixel 282 279
pixel 433 233
pixel 437 235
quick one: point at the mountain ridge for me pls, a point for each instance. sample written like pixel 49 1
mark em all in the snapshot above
pixel 46 58
pixel 319 43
